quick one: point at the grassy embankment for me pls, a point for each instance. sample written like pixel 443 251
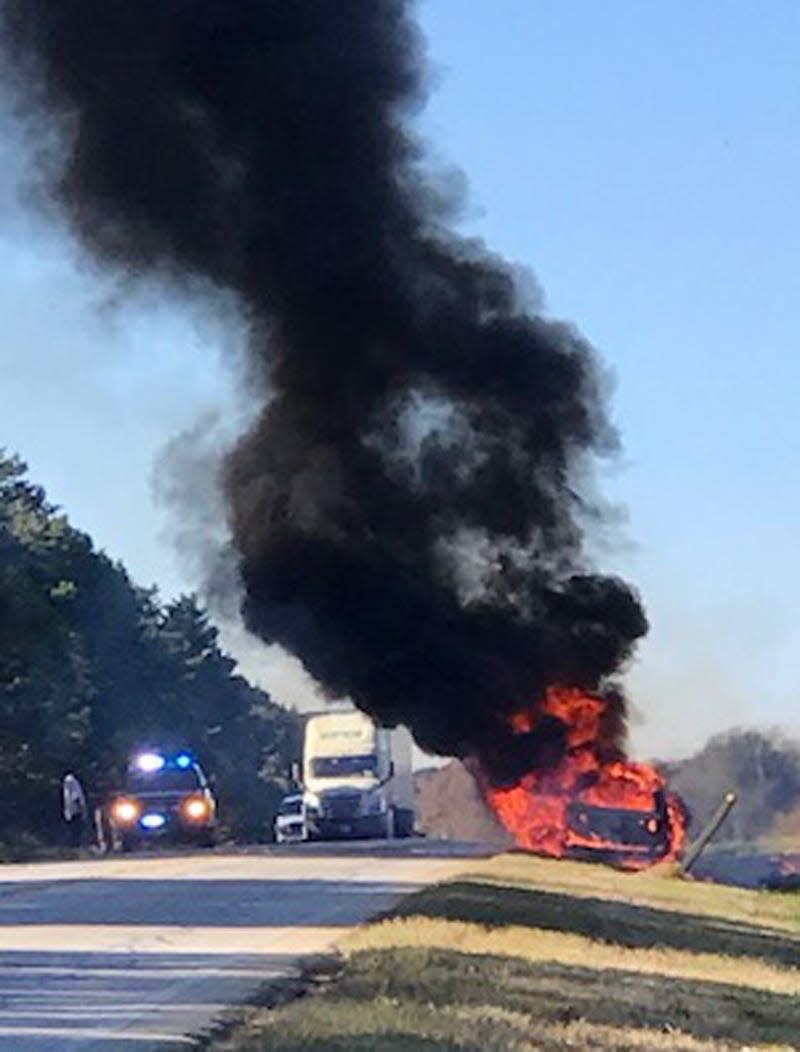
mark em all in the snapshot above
pixel 528 954
pixel 31 850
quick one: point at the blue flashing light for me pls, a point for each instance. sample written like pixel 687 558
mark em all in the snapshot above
pixel 153 821
pixel 183 760
pixel 149 762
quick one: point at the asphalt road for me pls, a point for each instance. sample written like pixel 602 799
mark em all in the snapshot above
pixel 137 953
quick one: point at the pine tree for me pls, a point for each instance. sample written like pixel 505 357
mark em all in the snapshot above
pixel 92 667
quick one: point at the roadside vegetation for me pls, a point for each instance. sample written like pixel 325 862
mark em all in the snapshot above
pixel 761 766
pixel 92 666
pixel 528 954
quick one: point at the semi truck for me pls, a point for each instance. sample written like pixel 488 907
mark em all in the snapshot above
pixel 356 778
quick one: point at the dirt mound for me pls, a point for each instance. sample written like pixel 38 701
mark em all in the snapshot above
pixel 449 806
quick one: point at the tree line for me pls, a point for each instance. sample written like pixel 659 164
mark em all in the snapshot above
pixel 761 766
pixel 93 666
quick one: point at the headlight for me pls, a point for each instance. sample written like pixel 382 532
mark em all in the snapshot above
pixel 375 804
pixel 196 808
pixel 312 805
pixel 125 811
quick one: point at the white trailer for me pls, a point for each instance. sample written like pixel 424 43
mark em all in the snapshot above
pixel 356 778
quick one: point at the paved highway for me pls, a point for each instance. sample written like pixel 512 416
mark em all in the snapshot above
pixel 136 953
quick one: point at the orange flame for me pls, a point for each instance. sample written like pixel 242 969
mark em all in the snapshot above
pixel 595 803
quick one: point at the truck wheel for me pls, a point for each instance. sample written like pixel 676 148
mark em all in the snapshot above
pixel 403 823
pixel 390 833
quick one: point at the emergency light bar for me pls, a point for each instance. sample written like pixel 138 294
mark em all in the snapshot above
pixel 150 762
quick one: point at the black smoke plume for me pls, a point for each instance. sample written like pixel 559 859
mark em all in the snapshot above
pixel 407 509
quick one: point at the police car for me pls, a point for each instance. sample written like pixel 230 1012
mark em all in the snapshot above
pixel 166 796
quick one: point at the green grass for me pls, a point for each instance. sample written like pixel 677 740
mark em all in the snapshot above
pixel 528 955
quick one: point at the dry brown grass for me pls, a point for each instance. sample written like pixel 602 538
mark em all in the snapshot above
pixel 536 956
pixel 659 887
pixel 536 944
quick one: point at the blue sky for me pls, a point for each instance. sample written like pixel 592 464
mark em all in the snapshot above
pixel 644 161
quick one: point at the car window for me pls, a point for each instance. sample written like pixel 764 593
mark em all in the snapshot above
pixel 167 780
pixel 336 766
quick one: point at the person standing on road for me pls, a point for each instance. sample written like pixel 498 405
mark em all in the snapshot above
pixel 74 808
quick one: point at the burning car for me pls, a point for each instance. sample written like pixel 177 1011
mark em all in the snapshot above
pixel 614 834
pixel 592 803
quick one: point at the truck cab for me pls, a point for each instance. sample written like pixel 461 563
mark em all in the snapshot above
pixel 356 778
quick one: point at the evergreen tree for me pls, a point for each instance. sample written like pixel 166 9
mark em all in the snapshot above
pixel 92 667
pixel 246 739
pixel 44 679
